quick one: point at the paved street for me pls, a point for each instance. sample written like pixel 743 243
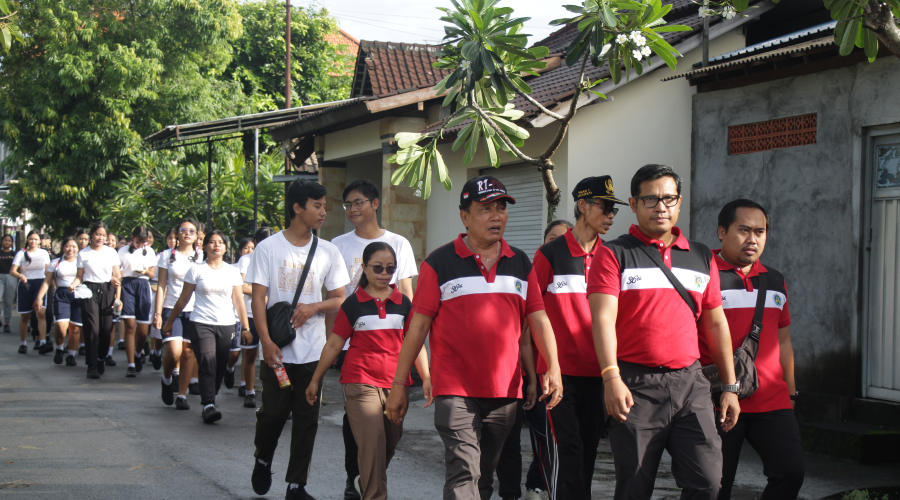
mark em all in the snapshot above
pixel 63 436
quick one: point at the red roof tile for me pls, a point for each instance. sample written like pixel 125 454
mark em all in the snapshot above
pixel 386 67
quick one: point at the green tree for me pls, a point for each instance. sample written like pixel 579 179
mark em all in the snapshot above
pixel 8 27
pixel 96 77
pixel 319 72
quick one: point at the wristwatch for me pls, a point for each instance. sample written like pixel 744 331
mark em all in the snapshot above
pixel 735 388
pixel 795 396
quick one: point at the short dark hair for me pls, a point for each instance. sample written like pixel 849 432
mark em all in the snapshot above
pixel 651 172
pixel 299 192
pixel 557 222
pixel 243 243
pixel 366 188
pixel 262 233
pixel 729 212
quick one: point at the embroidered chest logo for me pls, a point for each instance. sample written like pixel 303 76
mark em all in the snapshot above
pixel 519 286
pixel 561 284
pixel 455 288
pixel 360 324
pixel 632 280
pixel 778 300
pixel 698 280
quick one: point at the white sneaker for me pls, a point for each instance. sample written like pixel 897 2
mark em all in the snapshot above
pixel 536 494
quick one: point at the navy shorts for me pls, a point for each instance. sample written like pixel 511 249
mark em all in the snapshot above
pixel 253 343
pixel 136 300
pixel 27 294
pixel 66 307
pixel 180 328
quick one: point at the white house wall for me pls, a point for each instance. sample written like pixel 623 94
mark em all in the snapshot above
pixel 353 141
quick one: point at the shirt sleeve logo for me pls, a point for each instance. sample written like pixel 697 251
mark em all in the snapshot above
pixel 519 286
pixel 778 300
pixel 633 279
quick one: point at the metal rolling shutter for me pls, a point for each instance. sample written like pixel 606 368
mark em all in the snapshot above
pixel 523 182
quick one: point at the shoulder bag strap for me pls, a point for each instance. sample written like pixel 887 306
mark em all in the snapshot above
pixel 756 329
pixel 654 256
pixel 305 273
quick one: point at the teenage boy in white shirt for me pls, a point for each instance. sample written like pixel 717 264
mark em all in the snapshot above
pixel 274 274
pixel 361 204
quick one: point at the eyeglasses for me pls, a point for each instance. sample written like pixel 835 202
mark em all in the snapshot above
pixel 357 204
pixel 186 230
pixel 380 269
pixel 652 201
pixel 606 206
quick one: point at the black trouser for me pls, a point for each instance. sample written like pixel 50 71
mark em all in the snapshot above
pixel 277 404
pixel 576 425
pixel 96 314
pixel 775 436
pixel 212 346
pixel 509 469
pixel 672 411
pixel 541 469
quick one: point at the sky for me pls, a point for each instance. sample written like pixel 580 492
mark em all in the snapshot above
pixel 417 21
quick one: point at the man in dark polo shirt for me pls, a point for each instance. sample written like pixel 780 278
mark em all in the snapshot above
pixel 474 294
pixel 767 418
pixel 561 267
pixel 646 337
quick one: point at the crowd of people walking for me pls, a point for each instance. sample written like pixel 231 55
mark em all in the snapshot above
pixel 633 338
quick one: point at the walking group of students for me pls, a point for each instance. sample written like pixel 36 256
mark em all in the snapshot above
pixel 588 337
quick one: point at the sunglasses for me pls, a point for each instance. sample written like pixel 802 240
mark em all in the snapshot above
pixel 187 230
pixel 380 269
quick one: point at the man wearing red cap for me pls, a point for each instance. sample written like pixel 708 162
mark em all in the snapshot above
pixel 473 295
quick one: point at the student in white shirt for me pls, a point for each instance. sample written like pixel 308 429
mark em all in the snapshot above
pixel 98 269
pixel 171 240
pixel 138 268
pixel 28 267
pixel 218 294
pixel 172 267
pixel 361 205
pixel 67 308
pixel 275 271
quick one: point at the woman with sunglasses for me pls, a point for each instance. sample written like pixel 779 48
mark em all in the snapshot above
pixel 60 274
pixel 219 294
pixel 138 267
pixel 98 270
pixel 172 267
pixel 375 320
pixel 26 266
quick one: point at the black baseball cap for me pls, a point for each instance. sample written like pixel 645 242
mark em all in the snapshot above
pixel 483 189
pixel 600 187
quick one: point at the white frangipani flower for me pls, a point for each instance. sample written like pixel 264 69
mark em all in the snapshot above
pixel 638 38
pixel 621 39
pixel 637 54
pixel 728 12
pixel 646 51
pixel 464 64
pixel 705 12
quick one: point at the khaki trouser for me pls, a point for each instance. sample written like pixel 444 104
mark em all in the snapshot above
pixel 375 435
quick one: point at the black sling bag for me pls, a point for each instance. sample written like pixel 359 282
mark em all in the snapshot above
pixel 278 317
pixel 745 355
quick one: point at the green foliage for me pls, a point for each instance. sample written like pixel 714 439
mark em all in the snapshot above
pixel 319 71
pixel 487 54
pixel 161 191
pixel 8 27
pixel 94 78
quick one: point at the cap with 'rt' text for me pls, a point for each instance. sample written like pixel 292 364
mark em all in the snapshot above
pixel 483 189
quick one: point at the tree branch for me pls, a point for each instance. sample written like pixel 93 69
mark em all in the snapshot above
pixel 564 123
pixel 880 19
pixel 512 147
pixel 528 98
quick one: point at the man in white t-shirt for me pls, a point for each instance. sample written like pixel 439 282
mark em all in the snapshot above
pixel 274 274
pixel 361 204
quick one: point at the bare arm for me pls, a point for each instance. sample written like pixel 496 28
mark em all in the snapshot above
pixel 333 346
pixel 14 272
pixel 238 299
pixel 787 359
pixel 117 281
pixel 186 292
pixel 329 307
pixel 271 352
pixel 397 403
pixel 542 333
pixel 45 286
pixel 616 395
pixel 160 297
pixel 79 278
pixel 150 272
pixel 425 372
pixel 718 338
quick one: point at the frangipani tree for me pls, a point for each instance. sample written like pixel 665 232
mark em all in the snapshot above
pixel 8 27
pixel 487 52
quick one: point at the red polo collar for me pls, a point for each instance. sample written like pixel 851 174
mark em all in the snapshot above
pixel 463 251
pixel 755 269
pixel 396 297
pixel 680 241
pixel 576 249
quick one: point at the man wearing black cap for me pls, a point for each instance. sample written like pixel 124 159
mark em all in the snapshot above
pixel 473 294
pixel 561 267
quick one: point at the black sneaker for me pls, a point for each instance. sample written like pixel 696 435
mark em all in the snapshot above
pixel 261 478
pixel 181 403
pixel 6 329
pixel 139 363
pixel 242 391
pixel 350 492
pixel 37 344
pixel 194 388
pixel 23 349
pixel 58 357
pixel 81 350
pixel 70 361
pixel 297 494
pixel 156 361
pixel 130 372
pixel 211 415
pixel 109 361
pixel 250 401
pixel 101 368
pixel 121 345
pixel 167 396
pixel 146 348
pixel 229 378
pixel 45 348
pixel 92 372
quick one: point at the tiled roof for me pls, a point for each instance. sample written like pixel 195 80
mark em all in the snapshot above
pixel 386 67
pixel 341 37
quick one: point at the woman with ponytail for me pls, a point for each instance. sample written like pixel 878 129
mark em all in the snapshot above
pixel 29 266
pixel 172 267
pixel 67 309
pixel 138 267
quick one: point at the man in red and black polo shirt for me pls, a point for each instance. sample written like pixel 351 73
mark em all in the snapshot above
pixel 561 267
pixel 474 294
pixel 646 337
pixel 767 418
